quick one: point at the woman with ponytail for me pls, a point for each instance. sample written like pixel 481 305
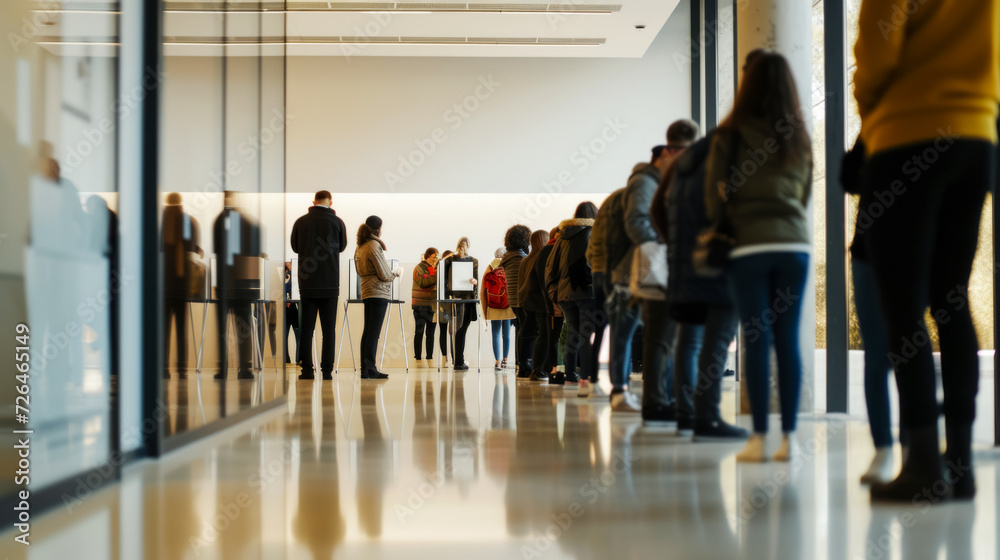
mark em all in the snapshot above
pixel 376 290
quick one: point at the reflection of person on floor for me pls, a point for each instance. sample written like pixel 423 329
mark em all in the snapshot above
pixel 374 459
pixel 318 523
pixel 180 239
pixel 291 317
pixel 237 248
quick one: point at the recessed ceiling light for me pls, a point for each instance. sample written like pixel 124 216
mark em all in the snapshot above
pixel 640 27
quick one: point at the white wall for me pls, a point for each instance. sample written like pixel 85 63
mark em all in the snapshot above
pixel 354 121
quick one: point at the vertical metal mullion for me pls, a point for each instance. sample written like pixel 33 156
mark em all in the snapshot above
pixel 696 61
pixel 151 41
pixel 711 64
pixel 996 317
pixel 837 375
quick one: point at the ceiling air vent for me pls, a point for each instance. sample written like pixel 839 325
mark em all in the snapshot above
pixel 500 7
pixel 431 6
pixel 596 8
pixel 354 6
pixel 432 40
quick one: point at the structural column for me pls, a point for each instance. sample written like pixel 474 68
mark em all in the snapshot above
pixel 785 26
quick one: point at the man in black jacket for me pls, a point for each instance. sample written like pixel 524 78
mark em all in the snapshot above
pixel 318 238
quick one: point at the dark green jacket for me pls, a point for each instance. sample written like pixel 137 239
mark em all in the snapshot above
pixel 424 285
pixel 768 198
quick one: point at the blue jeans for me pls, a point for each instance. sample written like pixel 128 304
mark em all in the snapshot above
pixel 501 330
pixel 623 319
pixel 875 337
pixel 769 289
pixel 702 351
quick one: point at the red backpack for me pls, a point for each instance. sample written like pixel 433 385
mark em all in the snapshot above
pixel 495 283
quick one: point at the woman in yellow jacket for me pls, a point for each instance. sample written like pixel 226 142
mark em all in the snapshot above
pixel 928 89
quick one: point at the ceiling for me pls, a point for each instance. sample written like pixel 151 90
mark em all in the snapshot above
pixel 569 28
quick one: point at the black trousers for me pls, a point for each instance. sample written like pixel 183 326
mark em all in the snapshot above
pixel 554 324
pixel 292 324
pixel 920 212
pixel 239 308
pixel 326 308
pixel 540 353
pixel 375 309
pixel 465 316
pixel 176 310
pixel 527 332
pixel 423 320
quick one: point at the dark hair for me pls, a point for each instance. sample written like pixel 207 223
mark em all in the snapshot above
pixel 539 239
pixel 366 234
pixel 430 251
pixel 768 93
pixel 323 195
pixel 586 210
pixel 657 152
pixel 517 237
pixel 682 132
pixel 447 253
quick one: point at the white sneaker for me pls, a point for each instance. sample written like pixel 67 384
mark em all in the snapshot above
pixel 754 450
pixel 584 389
pixel 881 467
pixel 789 448
pixel 625 402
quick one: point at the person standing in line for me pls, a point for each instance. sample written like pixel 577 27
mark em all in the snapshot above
pixel 376 291
pixel 291 319
pixel 318 238
pixel 499 318
pixel 444 314
pixel 569 282
pixel 531 295
pixel 237 241
pixel 767 212
pixel 516 242
pixel 659 330
pixel 611 310
pixel 465 313
pixel 424 294
pixel 702 306
pixel 597 256
pixel 928 90
pixel 553 319
pixel 180 237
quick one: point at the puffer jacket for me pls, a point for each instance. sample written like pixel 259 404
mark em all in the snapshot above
pixel 568 276
pixel 511 265
pixel 373 268
pixel 766 206
pixel 685 219
pixel 424 290
pixel 597 248
pixel 531 292
pixel 639 193
pixel 618 243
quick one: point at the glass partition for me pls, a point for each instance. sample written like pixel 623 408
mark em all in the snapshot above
pixel 222 215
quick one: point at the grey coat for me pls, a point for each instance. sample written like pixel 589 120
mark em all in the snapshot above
pixel 376 276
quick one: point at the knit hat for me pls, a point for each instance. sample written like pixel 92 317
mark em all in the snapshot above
pixel 374 222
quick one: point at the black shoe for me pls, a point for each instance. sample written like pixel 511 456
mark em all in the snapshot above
pixel 244 374
pixel 557 379
pixel 220 375
pixel 958 461
pixel 305 376
pixel 572 378
pixel 729 373
pixel 328 375
pixel 373 374
pixel 182 375
pixel 716 430
pixel 166 375
pixel 461 367
pixel 523 375
pixel 922 476
pixel 658 415
pixel 539 376
pixel 685 426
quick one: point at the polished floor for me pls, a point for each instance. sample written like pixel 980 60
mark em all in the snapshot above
pixel 445 465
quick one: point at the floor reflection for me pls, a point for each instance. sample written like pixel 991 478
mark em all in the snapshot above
pixel 200 399
pixel 434 465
